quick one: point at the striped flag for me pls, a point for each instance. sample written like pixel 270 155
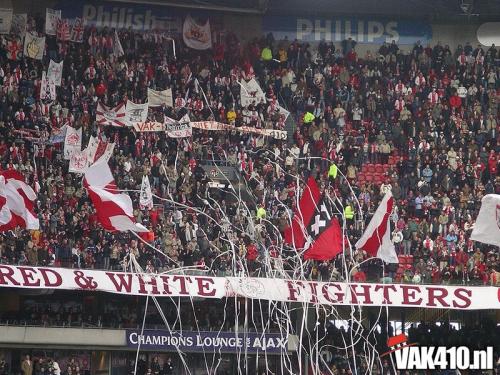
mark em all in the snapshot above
pixel 111 116
pixel 376 240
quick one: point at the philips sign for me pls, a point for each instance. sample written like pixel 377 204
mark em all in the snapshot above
pixel 362 30
pixel 123 16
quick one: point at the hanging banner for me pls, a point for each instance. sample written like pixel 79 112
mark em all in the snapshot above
pixel 208 341
pixel 149 126
pixel 47 89
pixel 309 292
pixel 159 98
pixel 111 116
pixel 196 36
pixel 251 93
pixel 179 129
pixel 34 47
pixel 72 141
pixel 18 25
pixel 51 17
pixel 136 113
pixel 218 126
pixel 78 161
pixel 146 196
pixel 5 20
pixel 54 72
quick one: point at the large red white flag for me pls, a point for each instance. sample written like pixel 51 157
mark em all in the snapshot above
pixel 16 202
pixel 376 240
pixel 111 116
pixel 296 233
pixel 314 227
pixel 487 226
pixel 114 209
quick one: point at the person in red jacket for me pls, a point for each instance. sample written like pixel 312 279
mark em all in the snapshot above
pixel 461 259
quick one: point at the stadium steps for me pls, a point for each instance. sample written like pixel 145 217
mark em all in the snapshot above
pixel 377 172
pixel 290 127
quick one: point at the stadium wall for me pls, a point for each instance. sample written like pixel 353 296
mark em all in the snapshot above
pixel 368 31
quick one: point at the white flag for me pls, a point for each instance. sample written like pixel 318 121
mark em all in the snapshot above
pixel 376 240
pixel 51 17
pixel 47 89
pixel 18 25
pixel 34 47
pixel 79 162
pixel 117 46
pixel 54 73
pixel 136 113
pixel 196 36
pixel 108 152
pixel 158 98
pixel 5 20
pixel 72 141
pixel 251 92
pixel 487 226
pixel 179 129
pixel 146 198
pixel 92 149
pixel 282 111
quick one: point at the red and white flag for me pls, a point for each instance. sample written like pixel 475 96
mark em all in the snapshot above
pixel 487 226
pixel 63 30
pixel 77 30
pixel 296 234
pixel 16 202
pixel 114 209
pixel 314 227
pixel 99 148
pixel 111 116
pixel 376 240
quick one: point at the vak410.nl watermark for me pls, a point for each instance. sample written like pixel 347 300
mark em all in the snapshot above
pixel 412 357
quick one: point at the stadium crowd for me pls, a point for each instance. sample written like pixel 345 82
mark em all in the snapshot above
pixel 423 123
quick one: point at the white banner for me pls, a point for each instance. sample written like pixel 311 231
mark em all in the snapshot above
pixel 47 89
pixel 250 92
pixel 78 161
pixel 159 98
pixel 108 152
pixel 72 141
pixel 179 129
pixel 146 197
pixel 34 47
pixel 54 73
pixel 196 36
pixel 307 292
pixel 214 125
pixel 18 26
pixel 282 111
pixel 51 17
pixel 91 149
pixel 136 113
pixel 149 126
pixel 5 20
